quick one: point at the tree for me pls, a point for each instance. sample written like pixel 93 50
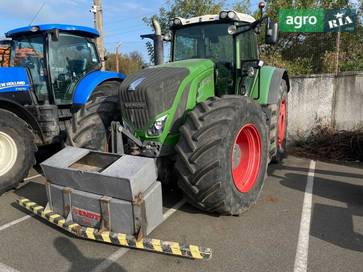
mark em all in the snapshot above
pixel 184 8
pixel 300 53
pixel 304 53
pixel 128 63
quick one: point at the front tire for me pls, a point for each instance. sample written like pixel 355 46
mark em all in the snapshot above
pixel 17 150
pixel 90 125
pixel 222 155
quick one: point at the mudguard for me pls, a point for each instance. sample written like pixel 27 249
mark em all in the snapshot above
pixel 24 114
pixel 86 86
pixel 271 78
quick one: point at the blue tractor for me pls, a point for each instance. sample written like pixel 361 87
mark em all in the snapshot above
pixel 51 89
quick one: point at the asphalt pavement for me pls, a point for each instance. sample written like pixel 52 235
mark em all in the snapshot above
pixel 288 229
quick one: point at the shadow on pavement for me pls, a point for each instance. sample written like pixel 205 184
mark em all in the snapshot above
pixel 322 172
pixel 335 225
pixel 351 194
pixel 331 223
pixel 78 261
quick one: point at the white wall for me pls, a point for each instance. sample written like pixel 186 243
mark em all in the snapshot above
pixel 325 100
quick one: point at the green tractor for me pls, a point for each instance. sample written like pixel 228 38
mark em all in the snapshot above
pixel 213 118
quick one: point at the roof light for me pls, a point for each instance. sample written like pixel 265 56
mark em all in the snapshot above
pixel 231 15
pixel 223 14
pixel 34 28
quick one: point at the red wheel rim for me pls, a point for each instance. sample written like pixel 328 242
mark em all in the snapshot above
pixel 246 158
pixel 281 124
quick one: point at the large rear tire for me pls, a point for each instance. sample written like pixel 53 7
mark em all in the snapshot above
pixel 17 150
pixel 90 125
pixel 222 154
pixel 278 125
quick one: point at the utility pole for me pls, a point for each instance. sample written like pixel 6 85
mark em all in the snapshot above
pixel 98 22
pixel 117 57
pixel 337 54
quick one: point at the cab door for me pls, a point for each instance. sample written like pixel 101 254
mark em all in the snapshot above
pixel 247 58
pixel 30 54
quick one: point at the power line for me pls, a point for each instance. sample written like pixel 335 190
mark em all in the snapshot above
pixel 123 33
pixel 37 13
pixel 131 29
pixel 133 18
pixel 122 26
pixel 126 42
pixel 117 25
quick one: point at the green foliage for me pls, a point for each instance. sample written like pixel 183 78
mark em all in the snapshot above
pixel 301 53
pixel 185 9
pixel 300 65
pixel 128 63
pixel 242 6
pixel 305 53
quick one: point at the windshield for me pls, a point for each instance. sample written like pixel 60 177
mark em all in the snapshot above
pixel 29 52
pixel 70 58
pixel 208 41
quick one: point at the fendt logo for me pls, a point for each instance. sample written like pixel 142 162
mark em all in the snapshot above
pixel 317 20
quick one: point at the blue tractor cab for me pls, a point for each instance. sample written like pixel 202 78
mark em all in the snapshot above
pixel 52 72
pixel 57 58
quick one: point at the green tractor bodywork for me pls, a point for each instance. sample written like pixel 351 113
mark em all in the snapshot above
pixel 221 74
pixel 197 86
pixel 270 81
pixel 212 118
pixel 201 86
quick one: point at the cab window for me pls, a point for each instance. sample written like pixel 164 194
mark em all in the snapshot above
pixel 29 53
pixel 71 57
pixel 248 45
pixel 208 41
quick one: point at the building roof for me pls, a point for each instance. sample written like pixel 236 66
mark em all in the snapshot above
pixel 82 30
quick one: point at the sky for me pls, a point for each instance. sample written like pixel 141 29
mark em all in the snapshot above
pixel 122 19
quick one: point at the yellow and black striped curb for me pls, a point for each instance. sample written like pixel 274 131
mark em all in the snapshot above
pixel 121 239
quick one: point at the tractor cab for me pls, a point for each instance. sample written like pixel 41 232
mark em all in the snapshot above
pixel 48 74
pixel 56 57
pixel 229 40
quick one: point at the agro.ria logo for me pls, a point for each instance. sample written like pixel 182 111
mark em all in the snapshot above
pixel 340 20
pixel 317 20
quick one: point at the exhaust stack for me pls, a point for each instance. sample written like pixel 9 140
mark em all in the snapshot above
pixel 158 43
pixel 158 40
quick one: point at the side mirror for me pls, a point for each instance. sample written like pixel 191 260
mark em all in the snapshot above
pixel 272 32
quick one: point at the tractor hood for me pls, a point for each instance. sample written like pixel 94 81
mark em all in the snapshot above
pixel 162 89
pixel 14 79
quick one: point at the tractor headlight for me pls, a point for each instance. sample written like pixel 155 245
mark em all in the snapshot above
pixel 232 29
pixel 223 14
pixel 158 126
pixel 231 15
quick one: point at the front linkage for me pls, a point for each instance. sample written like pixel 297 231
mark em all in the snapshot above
pixel 120 239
